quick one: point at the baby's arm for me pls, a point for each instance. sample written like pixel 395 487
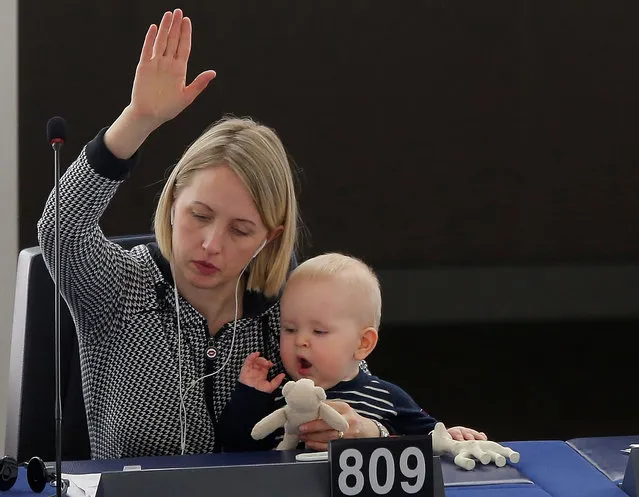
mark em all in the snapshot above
pixel 245 408
pixel 251 401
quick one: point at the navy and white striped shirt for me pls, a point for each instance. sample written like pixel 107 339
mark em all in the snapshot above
pixel 368 395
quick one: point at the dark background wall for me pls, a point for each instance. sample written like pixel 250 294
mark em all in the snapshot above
pixel 429 136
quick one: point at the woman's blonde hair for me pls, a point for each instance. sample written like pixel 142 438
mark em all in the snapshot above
pixel 256 154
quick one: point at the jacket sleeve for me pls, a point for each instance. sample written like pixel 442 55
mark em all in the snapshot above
pixel 246 407
pixel 410 419
pixel 93 270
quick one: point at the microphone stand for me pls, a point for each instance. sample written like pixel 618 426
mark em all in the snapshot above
pixel 57 145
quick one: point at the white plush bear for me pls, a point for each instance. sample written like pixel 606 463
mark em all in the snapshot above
pixel 304 403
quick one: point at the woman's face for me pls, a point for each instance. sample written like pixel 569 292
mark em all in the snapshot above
pixel 216 228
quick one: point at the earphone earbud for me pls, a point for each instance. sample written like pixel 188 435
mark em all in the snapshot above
pixel 38 474
pixel 8 473
pixel 259 249
pixel 172 215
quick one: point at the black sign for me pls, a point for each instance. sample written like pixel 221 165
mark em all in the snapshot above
pixel 392 466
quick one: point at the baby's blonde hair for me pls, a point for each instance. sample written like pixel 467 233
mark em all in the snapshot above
pixel 351 271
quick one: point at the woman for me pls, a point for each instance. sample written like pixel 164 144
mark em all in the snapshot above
pixel 164 328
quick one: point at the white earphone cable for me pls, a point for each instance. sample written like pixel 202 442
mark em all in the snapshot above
pixel 183 394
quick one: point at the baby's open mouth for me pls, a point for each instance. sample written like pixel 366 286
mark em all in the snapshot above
pixel 304 363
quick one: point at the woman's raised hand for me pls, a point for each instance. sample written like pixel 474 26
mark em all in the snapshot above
pixel 159 91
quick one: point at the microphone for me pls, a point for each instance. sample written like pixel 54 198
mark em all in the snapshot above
pixel 56 136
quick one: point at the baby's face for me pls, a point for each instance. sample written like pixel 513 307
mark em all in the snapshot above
pixel 320 332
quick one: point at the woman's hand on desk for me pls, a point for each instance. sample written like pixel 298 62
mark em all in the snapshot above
pixel 318 433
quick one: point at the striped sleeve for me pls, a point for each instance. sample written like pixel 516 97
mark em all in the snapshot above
pixel 387 403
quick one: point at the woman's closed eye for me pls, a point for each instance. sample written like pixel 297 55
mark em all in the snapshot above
pixel 239 232
pixel 200 217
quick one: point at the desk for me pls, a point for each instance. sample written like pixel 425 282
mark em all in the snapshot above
pixel 554 468
pixel 604 453
pixel 561 471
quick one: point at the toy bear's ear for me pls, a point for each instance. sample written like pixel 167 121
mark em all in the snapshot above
pixel 287 388
pixel 321 394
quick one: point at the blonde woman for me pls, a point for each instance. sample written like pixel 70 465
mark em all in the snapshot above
pixel 164 328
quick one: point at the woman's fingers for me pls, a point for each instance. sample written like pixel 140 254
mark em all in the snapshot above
pixel 149 39
pixel 319 446
pixel 198 85
pixel 184 43
pixel 163 33
pixel 314 427
pixel 175 32
pixel 321 442
pixel 340 406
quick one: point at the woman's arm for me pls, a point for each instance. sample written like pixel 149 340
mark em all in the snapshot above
pixel 94 271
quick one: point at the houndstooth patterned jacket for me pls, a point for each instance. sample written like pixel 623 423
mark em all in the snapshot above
pixel 122 303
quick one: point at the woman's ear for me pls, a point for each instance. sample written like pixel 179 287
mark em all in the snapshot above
pixel 367 342
pixel 274 233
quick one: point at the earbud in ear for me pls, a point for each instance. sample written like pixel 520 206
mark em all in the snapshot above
pixel 259 249
pixel 172 215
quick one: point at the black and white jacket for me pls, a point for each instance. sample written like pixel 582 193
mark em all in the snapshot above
pixel 123 306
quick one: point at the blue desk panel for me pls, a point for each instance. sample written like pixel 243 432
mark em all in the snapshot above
pixel 561 471
pixel 497 491
pixel 604 453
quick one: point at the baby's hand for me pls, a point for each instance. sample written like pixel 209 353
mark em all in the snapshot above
pixel 254 374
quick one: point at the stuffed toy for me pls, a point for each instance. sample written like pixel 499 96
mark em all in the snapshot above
pixel 483 450
pixel 304 403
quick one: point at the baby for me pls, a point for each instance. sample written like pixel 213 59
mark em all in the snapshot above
pixel 330 315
